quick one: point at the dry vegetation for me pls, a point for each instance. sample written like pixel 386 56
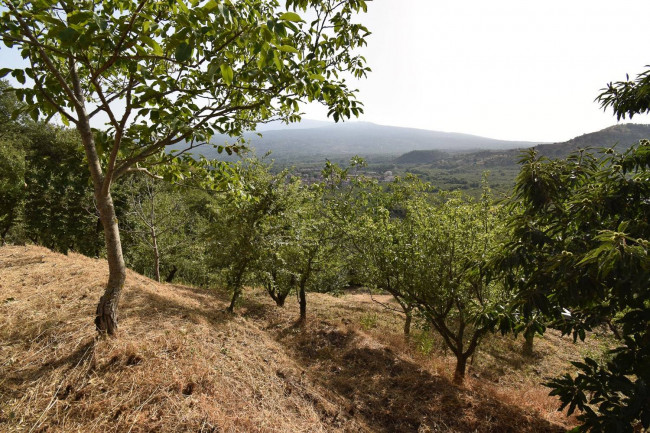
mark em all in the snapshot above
pixel 182 364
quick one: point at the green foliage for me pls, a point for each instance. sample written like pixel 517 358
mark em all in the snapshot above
pixel 579 255
pixel 12 183
pixel 245 62
pixel 12 162
pixel 369 321
pixel 58 211
pixel 429 251
pixel 628 97
pixel 162 225
pixel 245 229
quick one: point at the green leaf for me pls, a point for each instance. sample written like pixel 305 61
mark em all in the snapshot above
pixel 290 16
pixel 157 49
pixel 288 49
pixel 227 73
pixel 183 52
pixel 4 71
pixel 19 75
pixel 68 36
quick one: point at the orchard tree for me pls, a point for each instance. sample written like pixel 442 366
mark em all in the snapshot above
pixel 174 73
pixel 255 220
pixel 430 251
pixel 580 246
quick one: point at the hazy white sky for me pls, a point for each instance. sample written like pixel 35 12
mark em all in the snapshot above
pixel 508 69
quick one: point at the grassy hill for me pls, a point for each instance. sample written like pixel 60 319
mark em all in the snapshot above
pixel 181 363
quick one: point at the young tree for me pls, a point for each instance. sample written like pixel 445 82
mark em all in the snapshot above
pixel 158 224
pixel 174 73
pixel 430 253
pixel 255 221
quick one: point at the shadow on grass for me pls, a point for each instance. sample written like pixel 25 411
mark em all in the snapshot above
pixel 147 304
pixel 395 395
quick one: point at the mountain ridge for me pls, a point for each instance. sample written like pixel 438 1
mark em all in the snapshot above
pixel 363 138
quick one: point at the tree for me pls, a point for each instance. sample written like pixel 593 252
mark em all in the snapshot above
pixel 255 220
pixel 430 252
pixel 581 245
pixel 162 233
pixel 59 212
pixel 12 184
pixel 12 162
pixel 376 241
pixel 581 242
pixel 174 73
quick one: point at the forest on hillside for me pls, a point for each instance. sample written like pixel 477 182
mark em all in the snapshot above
pixel 566 250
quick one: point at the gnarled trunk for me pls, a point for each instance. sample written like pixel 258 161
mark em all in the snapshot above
pixel 106 315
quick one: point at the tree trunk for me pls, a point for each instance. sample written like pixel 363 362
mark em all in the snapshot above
pixel 527 348
pixel 171 274
pixel 407 324
pixel 233 300
pixel 303 305
pixel 106 316
pixel 459 373
pixel 156 254
pixel 280 298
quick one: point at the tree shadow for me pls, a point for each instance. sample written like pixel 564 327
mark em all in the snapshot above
pixel 146 304
pixel 15 379
pixel 394 395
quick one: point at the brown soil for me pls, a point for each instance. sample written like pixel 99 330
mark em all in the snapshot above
pixel 180 363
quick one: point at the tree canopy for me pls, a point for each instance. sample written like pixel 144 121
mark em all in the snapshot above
pixel 175 73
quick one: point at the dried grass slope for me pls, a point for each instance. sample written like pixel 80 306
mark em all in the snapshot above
pixel 181 364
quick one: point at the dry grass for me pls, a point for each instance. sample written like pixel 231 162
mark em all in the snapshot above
pixel 182 364
pixel 179 364
pixel 393 386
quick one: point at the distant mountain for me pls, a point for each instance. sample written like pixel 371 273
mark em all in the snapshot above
pixel 363 138
pixel 621 136
pixel 303 124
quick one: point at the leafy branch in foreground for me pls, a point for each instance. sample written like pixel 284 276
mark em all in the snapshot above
pixel 580 243
pixel 167 74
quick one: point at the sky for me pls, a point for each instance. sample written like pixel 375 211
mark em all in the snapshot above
pixel 507 69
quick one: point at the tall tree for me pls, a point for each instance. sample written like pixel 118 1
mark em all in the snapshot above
pixel 174 73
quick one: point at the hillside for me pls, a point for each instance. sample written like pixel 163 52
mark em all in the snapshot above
pixel 449 170
pixel 620 136
pixel 361 138
pixel 181 364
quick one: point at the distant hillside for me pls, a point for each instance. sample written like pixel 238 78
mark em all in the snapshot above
pixel 363 138
pixel 421 157
pixel 449 170
pixel 622 136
